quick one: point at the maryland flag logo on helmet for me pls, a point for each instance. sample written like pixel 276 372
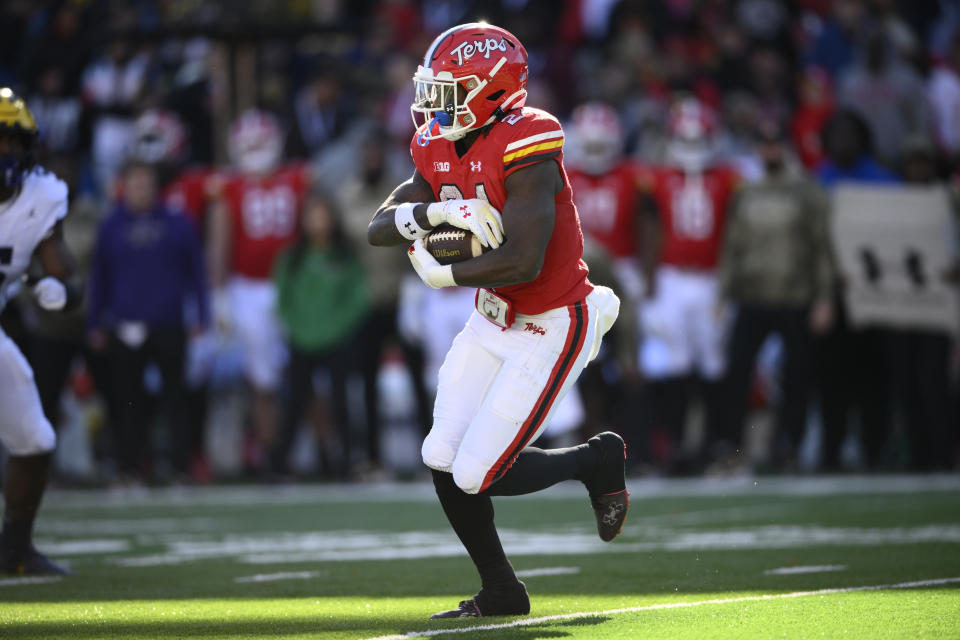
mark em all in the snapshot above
pixel 16 120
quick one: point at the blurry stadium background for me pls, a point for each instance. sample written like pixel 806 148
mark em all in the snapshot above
pixel 164 82
pixel 273 111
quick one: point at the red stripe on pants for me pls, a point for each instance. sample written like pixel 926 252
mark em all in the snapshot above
pixel 576 336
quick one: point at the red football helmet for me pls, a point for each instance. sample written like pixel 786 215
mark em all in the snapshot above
pixel 691 127
pixel 597 136
pixel 159 137
pixel 255 143
pixel 472 74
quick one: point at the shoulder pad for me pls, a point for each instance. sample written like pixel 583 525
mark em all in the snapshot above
pixel 531 135
pixel 48 195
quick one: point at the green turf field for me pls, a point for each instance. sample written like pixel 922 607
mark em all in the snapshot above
pixel 855 557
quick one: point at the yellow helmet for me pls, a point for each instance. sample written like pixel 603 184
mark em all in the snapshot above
pixel 14 113
pixel 15 118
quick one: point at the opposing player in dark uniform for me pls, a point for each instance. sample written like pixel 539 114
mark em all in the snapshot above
pixel 539 320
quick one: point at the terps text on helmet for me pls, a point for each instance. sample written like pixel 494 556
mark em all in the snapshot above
pixel 466 50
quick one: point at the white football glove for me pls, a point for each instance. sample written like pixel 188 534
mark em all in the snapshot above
pixel 433 274
pixel 50 294
pixel 474 215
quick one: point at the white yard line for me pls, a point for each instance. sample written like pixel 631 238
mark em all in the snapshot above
pixel 274 577
pixel 817 568
pixel 350 545
pixel 103 526
pixel 16 582
pixel 75 499
pixel 526 622
pixel 83 547
pixel 548 571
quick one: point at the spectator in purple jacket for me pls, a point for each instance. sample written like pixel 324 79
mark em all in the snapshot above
pixel 148 292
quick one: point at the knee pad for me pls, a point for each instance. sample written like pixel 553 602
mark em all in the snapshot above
pixel 436 453
pixel 468 474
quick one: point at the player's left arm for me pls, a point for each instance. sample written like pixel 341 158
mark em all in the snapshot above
pixel 528 218
pixel 61 288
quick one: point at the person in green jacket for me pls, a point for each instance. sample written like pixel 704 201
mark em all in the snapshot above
pixel 323 297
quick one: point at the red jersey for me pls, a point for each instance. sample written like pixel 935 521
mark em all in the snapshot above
pixel 692 208
pixel 189 193
pixel 607 205
pixel 264 216
pixel 520 139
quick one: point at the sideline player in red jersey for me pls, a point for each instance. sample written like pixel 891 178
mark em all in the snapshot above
pixel 683 328
pixel 254 217
pixel 538 320
pixel 606 190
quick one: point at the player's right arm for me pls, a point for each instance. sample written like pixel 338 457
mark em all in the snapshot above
pixel 218 242
pixel 384 230
pixel 404 218
pixel 651 235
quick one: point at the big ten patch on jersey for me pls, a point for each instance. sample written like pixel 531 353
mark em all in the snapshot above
pixel 521 138
pixel 607 205
pixel 26 220
pixel 264 214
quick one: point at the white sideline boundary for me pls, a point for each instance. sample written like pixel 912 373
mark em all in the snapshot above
pixel 526 622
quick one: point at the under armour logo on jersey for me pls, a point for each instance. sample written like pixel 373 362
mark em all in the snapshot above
pixel 465 210
pixel 535 329
pixel 475 166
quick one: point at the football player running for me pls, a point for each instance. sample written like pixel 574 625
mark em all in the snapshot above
pixel 606 190
pixel 683 326
pixel 32 204
pixel 253 218
pixel 539 320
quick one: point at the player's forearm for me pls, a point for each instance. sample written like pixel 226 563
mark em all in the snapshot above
pixel 217 266
pixel 503 267
pixel 383 230
pixel 217 253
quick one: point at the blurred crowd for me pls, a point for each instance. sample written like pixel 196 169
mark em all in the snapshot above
pixel 225 158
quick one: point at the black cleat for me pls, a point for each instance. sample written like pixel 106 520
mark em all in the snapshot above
pixel 611 512
pixel 488 603
pixel 607 487
pixel 466 609
pixel 33 563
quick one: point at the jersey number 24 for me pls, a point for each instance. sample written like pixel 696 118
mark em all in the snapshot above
pixel 452 192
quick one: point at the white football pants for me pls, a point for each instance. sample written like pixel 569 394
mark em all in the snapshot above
pixel 24 430
pixel 254 303
pixel 498 389
pixel 683 332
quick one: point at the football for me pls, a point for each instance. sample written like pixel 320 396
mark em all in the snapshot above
pixel 448 244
